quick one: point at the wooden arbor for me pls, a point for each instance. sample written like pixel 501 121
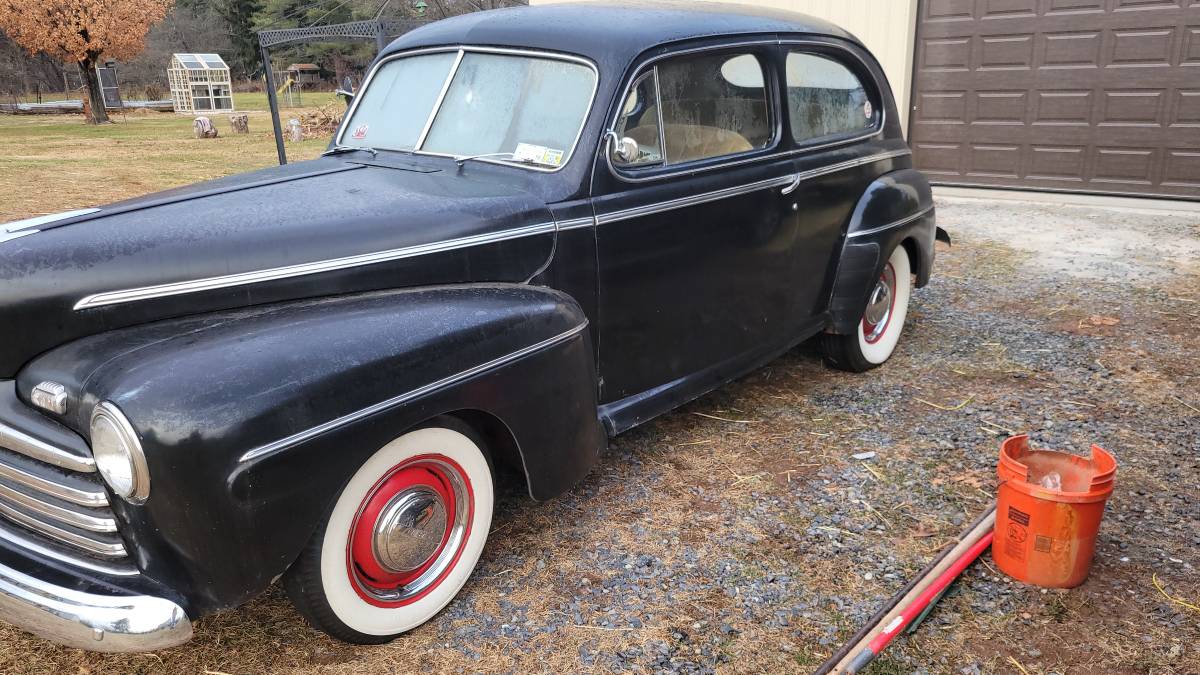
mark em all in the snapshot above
pixel 378 31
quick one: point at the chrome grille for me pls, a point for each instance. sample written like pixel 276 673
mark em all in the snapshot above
pixel 57 503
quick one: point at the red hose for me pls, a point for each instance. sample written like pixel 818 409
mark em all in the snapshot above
pixel 918 604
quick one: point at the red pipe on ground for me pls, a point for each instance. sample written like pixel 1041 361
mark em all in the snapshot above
pixel 918 605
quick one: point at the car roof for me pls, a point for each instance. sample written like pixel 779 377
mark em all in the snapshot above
pixel 609 32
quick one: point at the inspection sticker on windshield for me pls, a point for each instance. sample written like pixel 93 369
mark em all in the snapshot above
pixel 540 154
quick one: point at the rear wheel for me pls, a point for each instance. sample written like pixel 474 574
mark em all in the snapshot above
pixel 401 540
pixel 879 328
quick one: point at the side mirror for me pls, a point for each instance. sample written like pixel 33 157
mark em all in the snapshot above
pixel 625 150
pixel 348 95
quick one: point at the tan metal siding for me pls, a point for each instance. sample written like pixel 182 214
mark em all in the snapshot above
pixel 886 27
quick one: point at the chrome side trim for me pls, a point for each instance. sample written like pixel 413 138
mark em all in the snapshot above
pixel 852 163
pixel 790 183
pixel 576 223
pixel 317 267
pixel 83 521
pixel 105 623
pixel 485 50
pixel 903 221
pixel 23 443
pixel 692 200
pixel 283 443
pixel 93 546
pixel 65 492
pixel 118 569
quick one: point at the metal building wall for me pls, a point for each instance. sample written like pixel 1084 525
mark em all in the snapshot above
pixel 887 27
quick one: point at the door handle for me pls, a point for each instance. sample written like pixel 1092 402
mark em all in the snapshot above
pixel 791 187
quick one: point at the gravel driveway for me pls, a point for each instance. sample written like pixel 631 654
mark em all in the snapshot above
pixel 739 534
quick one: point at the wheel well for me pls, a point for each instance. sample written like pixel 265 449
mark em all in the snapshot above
pixel 914 255
pixel 499 442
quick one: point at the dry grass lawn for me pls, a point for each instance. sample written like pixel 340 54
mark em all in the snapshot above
pixel 57 162
pixel 746 504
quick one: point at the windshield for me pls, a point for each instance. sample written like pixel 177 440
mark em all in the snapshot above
pixel 506 107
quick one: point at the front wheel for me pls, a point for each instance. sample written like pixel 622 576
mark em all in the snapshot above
pixel 401 540
pixel 882 321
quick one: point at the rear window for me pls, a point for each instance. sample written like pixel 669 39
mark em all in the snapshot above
pixel 826 99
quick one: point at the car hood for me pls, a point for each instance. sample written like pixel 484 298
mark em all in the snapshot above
pixel 310 229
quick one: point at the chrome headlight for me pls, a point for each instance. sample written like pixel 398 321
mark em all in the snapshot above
pixel 118 453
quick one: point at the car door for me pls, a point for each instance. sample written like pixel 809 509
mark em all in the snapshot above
pixel 695 234
pixel 833 115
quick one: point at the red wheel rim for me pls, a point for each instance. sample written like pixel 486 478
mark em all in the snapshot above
pixel 410 531
pixel 880 306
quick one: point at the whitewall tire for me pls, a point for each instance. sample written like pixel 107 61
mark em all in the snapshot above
pixel 878 330
pixel 401 540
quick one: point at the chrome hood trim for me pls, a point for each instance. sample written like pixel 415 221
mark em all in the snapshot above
pixel 20 228
pixel 38 221
pixel 316 267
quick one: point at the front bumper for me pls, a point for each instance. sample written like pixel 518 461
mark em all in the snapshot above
pixel 103 623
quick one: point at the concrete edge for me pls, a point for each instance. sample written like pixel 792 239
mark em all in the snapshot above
pixel 1130 204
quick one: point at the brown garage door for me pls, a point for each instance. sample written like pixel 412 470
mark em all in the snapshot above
pixel 1081 95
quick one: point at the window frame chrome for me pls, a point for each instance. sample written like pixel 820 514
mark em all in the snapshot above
pixel 773 112
pixel 870 84
pixel 662 140
pixel 462 50
pixel 750 156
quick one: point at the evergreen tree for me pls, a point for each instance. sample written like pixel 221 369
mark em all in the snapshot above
pixel 239 16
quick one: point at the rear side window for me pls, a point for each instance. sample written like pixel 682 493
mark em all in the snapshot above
pixel 826 99
pixel 712 105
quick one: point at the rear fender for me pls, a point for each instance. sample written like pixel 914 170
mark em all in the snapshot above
pixel 895 210
pixel 252 421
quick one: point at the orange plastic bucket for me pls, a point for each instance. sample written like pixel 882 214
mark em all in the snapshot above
pixel 1046 531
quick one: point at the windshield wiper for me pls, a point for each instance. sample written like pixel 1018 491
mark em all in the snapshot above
pixel 511 155
pixel 339 149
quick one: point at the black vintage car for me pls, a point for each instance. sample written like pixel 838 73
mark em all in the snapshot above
pixel 536 229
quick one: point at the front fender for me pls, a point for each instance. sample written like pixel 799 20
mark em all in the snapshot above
pixel 252 421
pixel 895 210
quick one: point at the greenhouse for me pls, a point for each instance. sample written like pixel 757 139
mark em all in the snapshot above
pixel 200 83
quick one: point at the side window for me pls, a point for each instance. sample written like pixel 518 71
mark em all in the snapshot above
pixel 825 98
pixel 713 105
pixel 639 121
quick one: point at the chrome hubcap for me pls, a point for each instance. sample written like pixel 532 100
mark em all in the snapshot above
pixel 879 305
pixel 881 302
pixel 409 531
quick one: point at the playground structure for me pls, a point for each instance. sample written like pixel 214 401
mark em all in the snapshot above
pixel 200 83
